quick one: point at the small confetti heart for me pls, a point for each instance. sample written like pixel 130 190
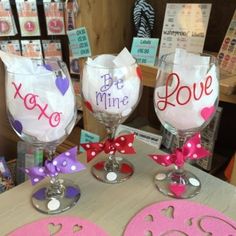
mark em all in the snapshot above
pixel 89 106
pixel 17 126
pixel 207 112
pixel 62 84
pixel 139 72
pixel 177 189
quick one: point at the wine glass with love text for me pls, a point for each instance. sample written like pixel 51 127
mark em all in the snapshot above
pixel 185 100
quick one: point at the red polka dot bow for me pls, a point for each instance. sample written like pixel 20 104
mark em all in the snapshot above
pixel 192 150
pixel 122 144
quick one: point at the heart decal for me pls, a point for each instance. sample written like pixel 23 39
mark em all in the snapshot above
pixel 177 189
pixel 207 112
pixel 62 84
pixel 16 124
pixel 89 106
pixel 139 72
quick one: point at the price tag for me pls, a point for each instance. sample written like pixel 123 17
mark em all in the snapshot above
pixel 79 42
pixel 144 50
pixel 88 137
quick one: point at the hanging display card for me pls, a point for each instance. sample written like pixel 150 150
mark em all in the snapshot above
pixel 185 26
pixel 54 13
pixel 71 10
pixel 7 23
pixel 28 17
pixel 52 49
pixel 11 46
pixel 31 48
pixel 227 53
pixel 144 50
pixel 79 42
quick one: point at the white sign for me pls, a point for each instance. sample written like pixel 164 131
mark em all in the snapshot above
pixel 185 26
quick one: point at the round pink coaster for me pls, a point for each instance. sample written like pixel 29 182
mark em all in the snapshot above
pixel 60 226
pixel 179 218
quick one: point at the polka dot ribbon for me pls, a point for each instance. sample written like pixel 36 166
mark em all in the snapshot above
pixel 65 163
pixel 122 144
pixel 192 150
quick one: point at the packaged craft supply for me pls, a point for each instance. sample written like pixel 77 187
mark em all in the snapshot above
pixel 52 49
pixel 31 48
pixel 11 46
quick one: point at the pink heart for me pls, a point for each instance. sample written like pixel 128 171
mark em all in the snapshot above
pixel 206 112
pixel 177 189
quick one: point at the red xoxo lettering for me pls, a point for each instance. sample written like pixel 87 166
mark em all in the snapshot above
pixel 30 103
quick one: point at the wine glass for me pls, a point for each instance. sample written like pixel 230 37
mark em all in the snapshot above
pixel 41 109
pixel 185 100
pixel 111 92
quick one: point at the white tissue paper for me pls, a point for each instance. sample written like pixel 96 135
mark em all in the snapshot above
pixel 111 83
pixel 191 69
pixel 38 90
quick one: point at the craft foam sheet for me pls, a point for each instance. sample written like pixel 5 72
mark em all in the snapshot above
pixel 180 218
pixel 60 226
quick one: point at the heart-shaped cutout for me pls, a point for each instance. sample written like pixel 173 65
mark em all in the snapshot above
pixel 16 124
pixel 54 228
pixel 177 189
pixel 77 228
pixel 62 84
pixel 168 212
pixel 207 112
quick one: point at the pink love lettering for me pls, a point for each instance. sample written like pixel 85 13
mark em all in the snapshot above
pixel 203 88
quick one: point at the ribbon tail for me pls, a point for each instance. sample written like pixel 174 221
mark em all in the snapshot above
pixel 164 160
pixel 35 175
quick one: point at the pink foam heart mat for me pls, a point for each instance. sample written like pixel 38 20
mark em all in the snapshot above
pixel 59 226
pixel 180 218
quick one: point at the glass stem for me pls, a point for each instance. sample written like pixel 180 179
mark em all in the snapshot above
pixel 181 139
pixel 56 188
pixel 111 164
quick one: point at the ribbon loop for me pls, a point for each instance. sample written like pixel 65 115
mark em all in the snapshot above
pixel 192 150
pixel 65 163
pixel 122 144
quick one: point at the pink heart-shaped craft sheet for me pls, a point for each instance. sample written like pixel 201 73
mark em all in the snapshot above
pixel 180 218
pixel 59 226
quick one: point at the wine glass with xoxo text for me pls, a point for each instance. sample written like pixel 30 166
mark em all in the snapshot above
pixel 185 100
pixel 41 108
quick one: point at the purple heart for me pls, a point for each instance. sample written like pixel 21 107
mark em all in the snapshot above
pixel 62 84
pixel 47 67
pixel 40 194
pixel 17 126
pixel 71 192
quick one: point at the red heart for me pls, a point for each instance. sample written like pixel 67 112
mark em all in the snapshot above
pixel 89 106
pixel 207 112
pixel 177 189
pixel 139 72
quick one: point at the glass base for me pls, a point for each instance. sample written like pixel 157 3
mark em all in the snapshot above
pixel 48 201
pixel 178 185
pixel 115 174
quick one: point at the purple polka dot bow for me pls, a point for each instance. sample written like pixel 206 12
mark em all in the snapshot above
pixel 122 144
pixel 65 163
pixel 192 150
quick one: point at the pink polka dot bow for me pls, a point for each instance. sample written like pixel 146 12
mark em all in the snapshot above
pixel 65 163
pixel 122 144
pixel 192 150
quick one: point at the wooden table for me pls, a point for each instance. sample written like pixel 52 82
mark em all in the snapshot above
pixel 112 206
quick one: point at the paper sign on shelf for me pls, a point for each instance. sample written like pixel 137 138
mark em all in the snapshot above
pixel 79 42
pixel 147 137
pixel 184 26
pixel 88 137
pixel 144 50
